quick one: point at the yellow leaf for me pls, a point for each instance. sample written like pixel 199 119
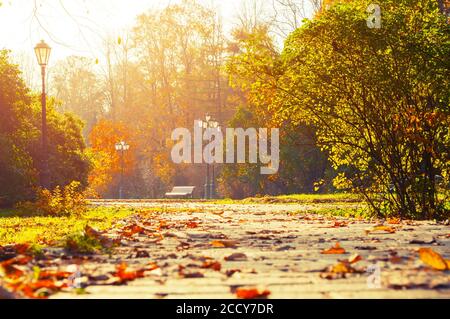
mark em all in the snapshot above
pixel 433 259
pixel 386 229
pixel 342 268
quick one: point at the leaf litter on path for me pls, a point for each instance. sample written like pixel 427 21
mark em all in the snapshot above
pixel 335 250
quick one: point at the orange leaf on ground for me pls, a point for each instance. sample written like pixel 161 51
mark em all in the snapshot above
pixel 433 259
pixel 130 230
pixel 39 289
pixel 126 275
pixel 336 250
pixel 215 265
pixel 251 293
pixel 339 270
pixel 21 248
pixel 19 260
pixel 338 224
pixel 47 274
pixel 394 221
pixel 191 224
pixel 354 259
pixel 386 229
pixel 224 243
pixel 163 225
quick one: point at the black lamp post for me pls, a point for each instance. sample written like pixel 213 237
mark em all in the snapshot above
pixel 209 187
pixel 122 147
pixel 43 51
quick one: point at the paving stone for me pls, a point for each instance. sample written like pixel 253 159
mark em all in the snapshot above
pixel 283 248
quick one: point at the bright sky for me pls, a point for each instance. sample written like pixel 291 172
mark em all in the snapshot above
pixel 78 27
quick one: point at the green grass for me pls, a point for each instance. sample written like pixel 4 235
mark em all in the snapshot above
pixel 295 199
pixel 17 227
pixel 347 212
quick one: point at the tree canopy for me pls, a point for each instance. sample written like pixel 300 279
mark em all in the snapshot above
pixel 379 99
pixel 20 140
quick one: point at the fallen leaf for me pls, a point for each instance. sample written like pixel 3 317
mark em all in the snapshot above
pixel 386 229
pixel 19 260
pixel 354 259
pixel 142 254
pixel 182 273
pixel 130 230
pixel 48 274
pixel 251 293
pixel 426 240
pixel 183 246
pixel 40 289
pixel 236 257
pixel 163 225
pixel 93 233
pixel 342 268
pixel 336 250
pixel 125 275
pixel 231 272
pixel 193 275
pixel 365 248
pixel 215 265
pixel 394 221
pixel 191 224
pixel 339 270
pixel 395 259
pixel 224 243
pixel 433 259
pixel 284 248
pixel 338 224
pixel 21 248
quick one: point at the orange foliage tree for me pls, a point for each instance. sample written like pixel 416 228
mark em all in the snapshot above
pixel 106 160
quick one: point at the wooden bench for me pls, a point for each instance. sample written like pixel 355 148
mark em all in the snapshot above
pixel 181 191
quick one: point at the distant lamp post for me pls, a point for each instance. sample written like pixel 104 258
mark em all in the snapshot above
pixel 122 147
pixel 43 51
pixel 210 187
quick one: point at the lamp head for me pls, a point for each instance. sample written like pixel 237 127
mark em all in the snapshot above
pixel 42 51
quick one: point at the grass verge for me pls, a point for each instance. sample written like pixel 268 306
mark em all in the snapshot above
pixel 295 199
pixel 19 228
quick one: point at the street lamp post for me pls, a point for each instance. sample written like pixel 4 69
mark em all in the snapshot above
pixel 43 51
pixel 122 147
pixel 209 186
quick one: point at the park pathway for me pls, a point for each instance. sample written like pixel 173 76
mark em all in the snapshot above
pixel 202 250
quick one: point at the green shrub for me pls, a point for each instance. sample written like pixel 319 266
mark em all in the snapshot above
pixel 66 201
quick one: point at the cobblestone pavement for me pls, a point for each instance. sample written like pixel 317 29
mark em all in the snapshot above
pixel 270 247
